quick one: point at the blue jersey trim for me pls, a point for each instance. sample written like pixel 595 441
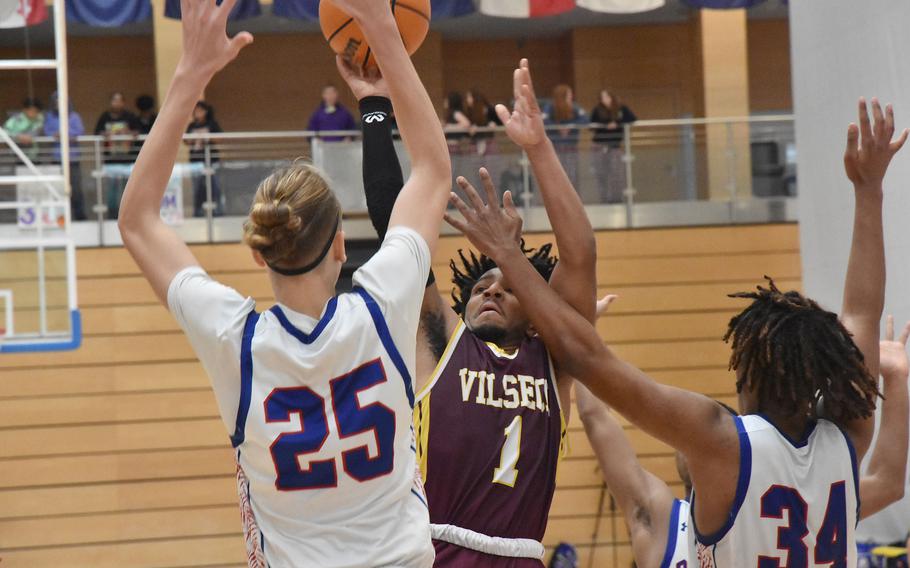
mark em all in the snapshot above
pixel 307 338
pixel 804 439
pixel 855 465
pixel 671 537
pixel 416 494
pixel 246 377
pixel 742 486
pixel 386 337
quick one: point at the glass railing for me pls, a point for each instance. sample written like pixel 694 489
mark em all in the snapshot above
pixel 650 173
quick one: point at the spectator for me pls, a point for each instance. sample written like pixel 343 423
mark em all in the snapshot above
pixel 204 123
pixel 482 115
pixel 145 104
pixel 564 112
pixel 145 119
pixel 25 125
pixel 456 122
pixel 610 171
pixel 76 128
pixel 331 115
pixel 116 121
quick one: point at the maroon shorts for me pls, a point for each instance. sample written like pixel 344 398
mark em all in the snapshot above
pixel 454 556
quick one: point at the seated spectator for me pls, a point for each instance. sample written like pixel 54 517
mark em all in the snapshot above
pixel 482 115
pixel 25 125
pixel 609 170
pixel 331 115
pixel 114 122
pixel 204 123
pixel 76 128
pixel 563 111
pixel 456 123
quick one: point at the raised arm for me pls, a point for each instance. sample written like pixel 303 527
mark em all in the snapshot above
pixel 574 278
pixel 423 198
pixel 886 476
pixel 646 501
pixel 869 152
pixel 158 250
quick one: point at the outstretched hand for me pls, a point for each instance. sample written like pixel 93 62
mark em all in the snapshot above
pixel 363 83
pixel 492 228
pixel 206 46
pixel 869 145
pixel 894 364
pixel 524 125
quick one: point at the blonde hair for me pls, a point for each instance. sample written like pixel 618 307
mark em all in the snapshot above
pixel 293 218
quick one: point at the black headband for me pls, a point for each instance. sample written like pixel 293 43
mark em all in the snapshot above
pixel 316 261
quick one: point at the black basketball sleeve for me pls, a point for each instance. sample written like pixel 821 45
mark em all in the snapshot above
pixel 382 176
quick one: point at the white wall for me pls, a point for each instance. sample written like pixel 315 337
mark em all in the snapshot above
pixel 842 49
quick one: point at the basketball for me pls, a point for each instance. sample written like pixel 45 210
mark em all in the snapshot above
pixel 346 38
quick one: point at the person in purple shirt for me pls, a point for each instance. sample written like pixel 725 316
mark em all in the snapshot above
pixel 331 115
pixel 76 128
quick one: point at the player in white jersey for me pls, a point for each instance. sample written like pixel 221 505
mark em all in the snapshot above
pixel 658 522
pixel 316 392
pixel 806 379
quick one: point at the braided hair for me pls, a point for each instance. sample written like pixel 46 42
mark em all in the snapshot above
pixel 471 270
pixel 793 354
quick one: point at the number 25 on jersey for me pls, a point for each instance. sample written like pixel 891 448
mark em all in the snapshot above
pixel 351 419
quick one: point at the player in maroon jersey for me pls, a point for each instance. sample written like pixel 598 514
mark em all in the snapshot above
pixel 490 420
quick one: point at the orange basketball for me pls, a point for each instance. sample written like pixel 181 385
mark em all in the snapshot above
pixel 346 38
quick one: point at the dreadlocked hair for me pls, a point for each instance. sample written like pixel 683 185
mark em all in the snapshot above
pixel 475 266
pixel 793 353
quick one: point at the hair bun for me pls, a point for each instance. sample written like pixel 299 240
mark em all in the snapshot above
pixel 270 222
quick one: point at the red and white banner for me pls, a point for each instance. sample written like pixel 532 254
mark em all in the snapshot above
pixel 525 8
pixel 621 6
pixel 21 13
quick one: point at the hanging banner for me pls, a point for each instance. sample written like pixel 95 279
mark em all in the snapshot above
pixel 443 9
pixel 21 13
pixel 108 13
pixel 525 8
pixel 621 6
pixel 296 9
pixel 243 10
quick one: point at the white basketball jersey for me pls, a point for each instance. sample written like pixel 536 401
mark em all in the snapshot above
pixel 796 501
pixel 677 553
pixel 325 447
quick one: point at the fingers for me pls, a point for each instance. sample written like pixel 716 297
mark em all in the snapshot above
pixel 905 334
pixel 528 89
pixel 225 9
pixel 456 223
pixel 865 127
pixel 516 83
pixel 508 203
pixel 878 127
pixel 240 41
pixel 472 194
pixel 889 120
pixel 460 205
pixel 503 113
pixel 899 143
pixel 852 140
pixel 889 328
pixel 490 189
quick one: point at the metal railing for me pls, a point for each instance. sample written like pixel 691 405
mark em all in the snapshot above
pixel 648 173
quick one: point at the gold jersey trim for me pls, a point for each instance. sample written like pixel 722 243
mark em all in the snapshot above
pixel 443 361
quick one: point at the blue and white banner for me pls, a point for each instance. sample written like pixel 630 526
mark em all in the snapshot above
pixel 296 9
pixel 243 10
pixel 108 13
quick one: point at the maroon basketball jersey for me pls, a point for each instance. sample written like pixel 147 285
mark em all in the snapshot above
pixel 489 430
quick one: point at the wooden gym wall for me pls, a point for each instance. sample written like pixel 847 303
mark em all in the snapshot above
pixel 114 455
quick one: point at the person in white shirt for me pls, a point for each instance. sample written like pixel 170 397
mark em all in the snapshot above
pixel 316 393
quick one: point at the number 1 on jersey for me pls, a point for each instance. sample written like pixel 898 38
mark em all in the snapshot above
pixel 507 473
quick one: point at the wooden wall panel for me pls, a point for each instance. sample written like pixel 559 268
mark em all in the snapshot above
pixel 115 455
